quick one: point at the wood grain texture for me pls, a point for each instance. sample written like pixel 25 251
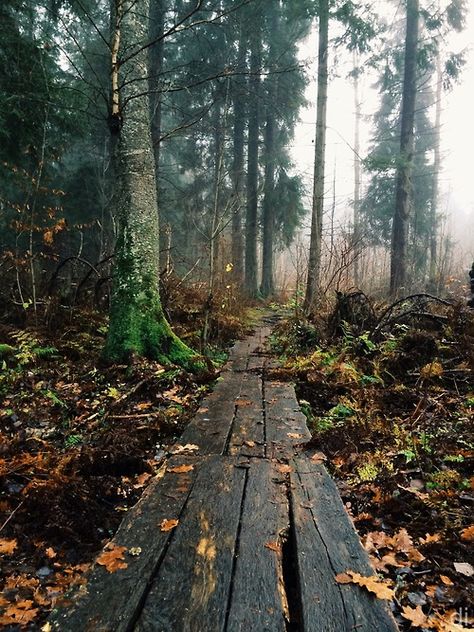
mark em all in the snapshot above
pixel 248 429
pixel 191 589
pixel 110 601
pixel 327 544
pixel 258 594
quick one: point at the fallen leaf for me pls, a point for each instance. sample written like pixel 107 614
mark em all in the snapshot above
pixel 273 546
pixel 7 546
pixel 112 558
pixel 168 525
pixel 318 457
pixel 464 568
pixel 143 405
pixel 468 534
pixel 142 480
pixel 135 551
pixel 416 616
pixel 46 627
pixel 19 613
pixel 179 449
pixel 250 444
pixel 181 469
pixel 283 468
pixel 446 581
pixel 428 539
pixel 373 584
pixel 51 553
pixel 294 435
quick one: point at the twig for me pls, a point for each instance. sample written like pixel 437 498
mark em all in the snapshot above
pixel 11 516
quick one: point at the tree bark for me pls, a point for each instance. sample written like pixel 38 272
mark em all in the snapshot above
pixel 403 199
pixel 357 174
pixel 238 166
pixel 137 323
pixel 314 263
pixel 433 281
pixel 252 164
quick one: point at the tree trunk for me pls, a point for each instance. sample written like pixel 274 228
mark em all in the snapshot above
pixel 403 199
pixel 314 263
pixel 267 287
pixel 357 174
pixel 252 165
pixel 238 166
pixel 433 280
pixel 137 324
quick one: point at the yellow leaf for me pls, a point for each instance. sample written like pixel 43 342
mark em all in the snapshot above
pixel 7 546
pixel 468 534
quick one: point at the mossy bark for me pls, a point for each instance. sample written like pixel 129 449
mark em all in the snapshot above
pixel 137 323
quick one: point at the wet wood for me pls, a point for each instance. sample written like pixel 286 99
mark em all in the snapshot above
pixel 326 544
pixel 248 430
pixel 111 601
pixel 259 596
pixel 192 587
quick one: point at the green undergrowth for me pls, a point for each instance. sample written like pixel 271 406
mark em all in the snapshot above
pixel 391 410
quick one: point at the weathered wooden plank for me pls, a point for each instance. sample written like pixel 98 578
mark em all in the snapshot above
pixel 285 423
pixel 211 426
pixel 110 602
pixel 248 430
pixel 327 544
pixel 258 596
pixel 191 589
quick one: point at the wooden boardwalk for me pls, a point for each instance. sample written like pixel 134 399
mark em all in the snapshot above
pixel 261 529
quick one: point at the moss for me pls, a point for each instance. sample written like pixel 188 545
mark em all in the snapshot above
pixel 6 350
pixel 138 328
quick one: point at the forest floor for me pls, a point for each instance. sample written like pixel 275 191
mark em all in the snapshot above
pixel 79 443
pixel 389 399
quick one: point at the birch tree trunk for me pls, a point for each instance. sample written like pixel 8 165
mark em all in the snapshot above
pixel 314 262
pixel 137 323
pixel 403 199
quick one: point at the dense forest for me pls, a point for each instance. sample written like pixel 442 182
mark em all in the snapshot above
pixel 154 210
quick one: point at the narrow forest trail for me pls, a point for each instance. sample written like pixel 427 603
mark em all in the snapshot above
pixel 241 532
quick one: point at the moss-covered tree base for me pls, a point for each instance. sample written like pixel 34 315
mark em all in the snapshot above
pixel 140 329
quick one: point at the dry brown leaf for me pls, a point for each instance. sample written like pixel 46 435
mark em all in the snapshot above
pixel 429 539
pixel 243 402
pixel 294 435
pixel 135 551
pixel 416 616
pixel 142 480
pixel 319 457
pixel 20 613
pixel 112 558
pixel 446 581
pixel 381 589
pixel 273 546
pixel 7 546
pixel 181 469
pixel 250 444
pixel 468 534
pixel 283 468
pixel 51 553
pixel 168 525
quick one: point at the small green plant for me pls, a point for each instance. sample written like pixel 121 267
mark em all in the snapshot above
pixel 408 454
pixel 54 398
pixel 73 440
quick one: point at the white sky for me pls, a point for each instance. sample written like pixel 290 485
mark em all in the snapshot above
pixel 457 133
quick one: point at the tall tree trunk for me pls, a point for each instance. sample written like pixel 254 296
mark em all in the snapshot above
pixel 267 287
pixel 268 220
pixel 238 165
pixel 314 263
pixel 252 164
pixel 403 199
pixel 137 323
pixel 357 174
pixel 433 280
